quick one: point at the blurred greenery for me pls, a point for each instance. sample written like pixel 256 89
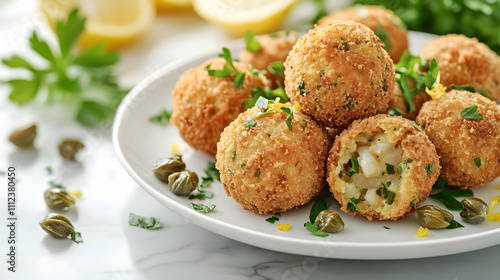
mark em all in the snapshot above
pixel 473 18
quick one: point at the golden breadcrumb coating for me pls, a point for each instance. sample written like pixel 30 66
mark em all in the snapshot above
pixel 339 72
pixel 459 141
pixel 268 168
pixel 273 48
pixel 391 154
pixel 465 61
pixel 204 105
pixel 379 20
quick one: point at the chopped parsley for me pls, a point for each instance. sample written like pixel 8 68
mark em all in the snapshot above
pixel 389 168
pixel 448 198
pixel 266 93
pixel 415 125
pixel 256 72
pixel 352 205
pixel 252 45
pixel 261 103
pixel 471 89
pixel 49 170
pixel 302 88
pixel 314 229
pixel 249 123
pixel 477 162
pixel 162 118
pixel 395 112
pixel 430 168
pixel 56 185
pixel 288 120
pixel 202 208
pixel 440 184
pixel 384 192
pixel 471 113
pixel 143 222
pixel 201 195
pixel 319 205
pixel 483 93
pixel 212 174
pixel 277 68
pixel 228 69
pixel 76 237
pixel 384 37
pixel 355 167
pixel 454 224
pixel 274 218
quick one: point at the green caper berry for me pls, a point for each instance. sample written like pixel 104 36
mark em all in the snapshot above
pixel 183 183
pixel 167 166
pixel 431 216
pixel 329 221
pixel 475 210
pixel 58 199
pixel 69 147
pixel 57 225
pixel 23 138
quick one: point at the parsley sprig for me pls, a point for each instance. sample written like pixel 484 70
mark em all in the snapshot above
pixel 251 43
pixel 471 113
pixel 447 197
pixel 144 222
pixel 262 103
pixel 267 93
pixel 274 218
pixel 83 78
pixel 228 69
pixel 212 175
pixel 162 118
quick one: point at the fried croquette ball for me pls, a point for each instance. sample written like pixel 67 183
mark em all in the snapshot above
pixel 386 25
pixel 339 72
pixel 469 149
pixel 384 166
pixel 465 61
pixel 204 105
pixel 273 48
pixel 398 101
pixel 268 168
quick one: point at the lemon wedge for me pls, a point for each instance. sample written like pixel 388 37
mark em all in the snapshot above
pixel 114 22
pixel 163 6
pixel 238 16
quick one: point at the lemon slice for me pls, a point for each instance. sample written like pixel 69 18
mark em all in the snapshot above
pixel 238 16
pixel 114 22
pixel 163 6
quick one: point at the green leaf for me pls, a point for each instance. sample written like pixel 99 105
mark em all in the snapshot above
pixel 355 167
pixel 471 113
pixel 202 208
pixel 251 42
pixel 395 112
pixel 464 87
pixel 96 57
pixel 56 185
pixel 201 195
pixel 262 103
pixel 440 184
pixel 352 205
pixel 249 123
pixel 288 120
pixel 384 37
pixel 91 113
pixel 408 94
pixel 319 205
pixel 430 76
pixel 313 228
pixel 69 31
pixel 430 168
pixel 225 72
pixel 384 192
pixel 389 168
pixel 415 125
pixel 67 84
pixel 23 91
pixel 274 218
pixel 162 118
pixel 483 93
pixel 268 93
pixel 256 72
pixel 226 54
pixel 302 88
pixel 144 222
pixel 41 47
pixel 238 79
pixel 276 68
pixel 448 198
pixel 77 237
pixel 212 175
pixel 454 224
pixel 477 162
pixel 17 62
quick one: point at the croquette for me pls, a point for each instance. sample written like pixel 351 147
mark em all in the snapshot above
pixel 204 105
pixel 273 48
pixel 339 72
pixel 465 61
pixel 384 166
pixel 268 168
pixel 386 25
pixel 469 149
pixel 398 101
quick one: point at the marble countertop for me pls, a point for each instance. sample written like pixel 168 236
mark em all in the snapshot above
pixel 115 250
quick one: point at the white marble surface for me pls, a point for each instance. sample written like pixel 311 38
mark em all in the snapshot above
pixel 112 248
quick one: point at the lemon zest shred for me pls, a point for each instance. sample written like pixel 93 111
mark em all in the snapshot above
pixel 498 187
pixel 284 227
pixel 296 106
pixel 77 194
pixel 437 90
pixel 277 105
pixel 422 232
pixel 175 149
pixel 493 216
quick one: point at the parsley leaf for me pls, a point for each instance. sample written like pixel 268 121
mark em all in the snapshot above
pixel 477 162
pixel 395 112
pixel 430 168
pixel 313 228
pixel 162 118
pixel 228 69
pixel 384 37
pixel 201 195
pixel 352 205
pixel 76 237
pixel 277 68
pixel 440 184
pixel 471 113
pixel 251 42
pixel 238 79
pixel 288 120
pixel 483 93
pixel 56 185
pixel 355 167
pixel 256 72
pixel 274 218
pixel 302 88
pixel 249 123
pixel 202 208
pixel 384 192
pixel 143 222
pixel 212 174
pixel 319 205
pixel 267 93
pixel 448 198
pixel 464 87
pixel 415 125
pixel 454 224
pixel 389 168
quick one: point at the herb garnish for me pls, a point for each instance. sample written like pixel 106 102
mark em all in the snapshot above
pixel 85 77
pixel 430 168
pixel 395 112
pixel 454 224
pixel 251 42
pixel 249 123
pixel 76 237
pixel 201 195
pixel 319 205
pixel 384 192
pixel 448 198
pixel 256 72
pixel 415 125
pixel 162 118
pixel 321 11
pixel 384 37
pixel 389 168
pixel 56 185
pixel 471 113
pixel 471 89
pixel 440 184
pixel 267 93
pixel 477 162
pixel 277 68
pixel 277 107
pixel 274 218
pixel 49 170
pixel 355 167
pixel 202 208
pixel 212 174
pixel 143 222
pixel 227 69
pixel 313 228
pixel 302 88
pixel 352 205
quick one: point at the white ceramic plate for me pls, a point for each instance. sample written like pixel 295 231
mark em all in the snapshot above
pixel 140 143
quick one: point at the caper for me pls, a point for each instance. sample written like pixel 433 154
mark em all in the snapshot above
pixel 56 225
pixel 183 183
pixel 69 147
pixel 475 210
pixel 23 138
pixel 58 199
pixel 329 221
pixel 431 216
pixel 166 166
